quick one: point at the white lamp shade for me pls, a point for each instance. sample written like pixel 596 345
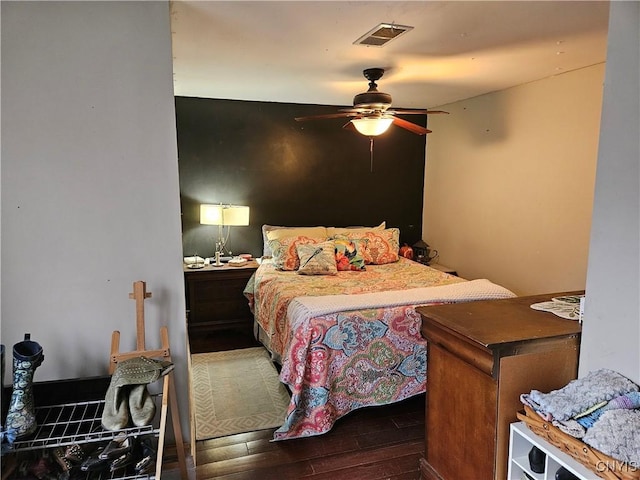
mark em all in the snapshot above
pixel 372 127
pixel 235 215
pixel 211 214
pixel 226 215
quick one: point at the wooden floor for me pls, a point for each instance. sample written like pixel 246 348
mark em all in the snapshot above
pixel 372 443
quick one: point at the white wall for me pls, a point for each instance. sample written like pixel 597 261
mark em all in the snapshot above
pixel 611 332
pixel 509 183
pixel 90 197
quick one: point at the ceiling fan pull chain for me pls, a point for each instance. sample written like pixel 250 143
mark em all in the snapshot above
pixel 371 151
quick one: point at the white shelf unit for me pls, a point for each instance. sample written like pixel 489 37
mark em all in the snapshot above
pixel 522 440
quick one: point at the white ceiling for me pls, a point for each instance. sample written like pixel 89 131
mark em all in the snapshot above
pixel 303 52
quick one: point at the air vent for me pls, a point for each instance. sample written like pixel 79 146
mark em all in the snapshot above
pixel 382 34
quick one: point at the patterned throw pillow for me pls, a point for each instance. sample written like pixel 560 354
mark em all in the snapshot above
pixel 382 246
pixel 349 254
pixel 317 259
pixel 285 253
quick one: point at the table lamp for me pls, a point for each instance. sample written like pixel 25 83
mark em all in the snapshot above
pixel 224 216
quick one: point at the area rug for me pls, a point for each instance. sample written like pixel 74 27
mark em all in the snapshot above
pixel 236 391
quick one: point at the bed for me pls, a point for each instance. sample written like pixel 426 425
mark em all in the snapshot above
pixel 347 338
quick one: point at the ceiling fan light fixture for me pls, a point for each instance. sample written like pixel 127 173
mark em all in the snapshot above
pixel 372 127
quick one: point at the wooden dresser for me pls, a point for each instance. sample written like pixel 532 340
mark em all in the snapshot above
pixel 481 357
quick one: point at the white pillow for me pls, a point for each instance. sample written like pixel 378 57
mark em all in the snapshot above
pixel 315 232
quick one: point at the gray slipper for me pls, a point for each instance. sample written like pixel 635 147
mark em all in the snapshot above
pixel 115 415
pixel 138 372
pixel 141 406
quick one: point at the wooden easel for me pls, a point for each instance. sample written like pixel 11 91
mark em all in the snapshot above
pixel 169 398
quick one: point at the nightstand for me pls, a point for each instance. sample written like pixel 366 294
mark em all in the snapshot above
pixel 215 300
pixel 442 268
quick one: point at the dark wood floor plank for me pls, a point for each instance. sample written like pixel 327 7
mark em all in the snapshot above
pixel 309 447
pixel 280 472
pixel 410 418
pixel 406 465
pixel 226 452
pixel 234 439
pixel 336 462
pixel 391 436
pixel 234 465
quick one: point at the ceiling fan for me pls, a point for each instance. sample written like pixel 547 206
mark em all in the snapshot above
pixel 371 115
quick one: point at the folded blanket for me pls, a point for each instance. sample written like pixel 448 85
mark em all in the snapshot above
pixel 628 401
pixel 617 434
pixel 579 395
pixel 481 289
pixel 571 427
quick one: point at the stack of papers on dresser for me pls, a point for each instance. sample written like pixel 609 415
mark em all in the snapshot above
pixel 567 306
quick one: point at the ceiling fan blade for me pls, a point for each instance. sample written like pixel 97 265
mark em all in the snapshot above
pixel 328 115
pixel 416 112
pixel 412 127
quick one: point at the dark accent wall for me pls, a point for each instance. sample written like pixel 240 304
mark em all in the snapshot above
pixel 292 173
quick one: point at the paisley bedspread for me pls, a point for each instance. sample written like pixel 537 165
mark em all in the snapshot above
pixel 340 361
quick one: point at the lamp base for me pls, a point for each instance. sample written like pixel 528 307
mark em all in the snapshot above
pixel 219 260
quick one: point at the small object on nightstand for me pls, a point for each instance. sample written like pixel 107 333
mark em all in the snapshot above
pixel 406 251
pixel 219 260
pixel 194 261
pixel 423 252
pixel 237 261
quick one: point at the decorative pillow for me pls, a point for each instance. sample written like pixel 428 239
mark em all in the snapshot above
pixel 285 253
pixel 315 232
pixel 382 246
pixel 333 231
pixel 317 259
pixel 349 254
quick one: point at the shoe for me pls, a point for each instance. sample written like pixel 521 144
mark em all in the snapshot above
pixel 116 447
pixel 141 406
pixel 127 458
pixel 76 453
pixel 536 460
pixel 147 455
pixel 21 418
pixel 61 459
pixel 564 474
pixel 94 463
pixel 115 415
